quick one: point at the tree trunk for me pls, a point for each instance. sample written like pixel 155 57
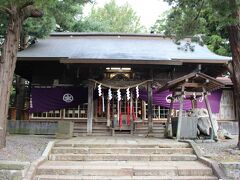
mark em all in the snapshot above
pixel 20 97
pixel 7 67
pixel 234 38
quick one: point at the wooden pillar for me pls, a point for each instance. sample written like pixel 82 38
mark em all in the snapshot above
pixel 166 132
pixel 90 109
pixel 194 103
pixel 150 109
pixel 180 116
pixel 131 106
pixel 213 132
pixel 20 97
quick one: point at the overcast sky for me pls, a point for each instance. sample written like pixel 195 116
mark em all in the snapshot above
pixel 148 10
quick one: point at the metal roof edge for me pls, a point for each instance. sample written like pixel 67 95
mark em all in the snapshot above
pixel 66 34
pixel 118 61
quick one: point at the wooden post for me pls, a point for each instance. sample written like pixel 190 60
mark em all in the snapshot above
pixel 90 109
pixel 180 116
pixel 166 132
pixel 150 121
pixel 213 132
pixel 131 106
pixel 20 97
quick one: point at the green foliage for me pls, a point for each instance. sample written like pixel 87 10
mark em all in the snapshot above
pixel 40 27
pixel 58 15
pixel 206 18
pixel 111 18
pixel 3 24
pixel 217 44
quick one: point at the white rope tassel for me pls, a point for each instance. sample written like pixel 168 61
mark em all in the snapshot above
pixel 118 103
pixel 136 101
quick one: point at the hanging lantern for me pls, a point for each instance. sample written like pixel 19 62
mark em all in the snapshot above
pixel 109 94
pixel 128 94
pixel 100 90
pixel 137 92
pixel 119 95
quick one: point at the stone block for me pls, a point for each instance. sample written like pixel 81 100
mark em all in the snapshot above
pixel 231 169
pixel 64 129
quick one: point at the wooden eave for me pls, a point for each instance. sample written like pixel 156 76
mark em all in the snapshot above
pixel 202 61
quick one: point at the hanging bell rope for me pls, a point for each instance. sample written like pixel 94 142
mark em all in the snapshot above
pixel 119 87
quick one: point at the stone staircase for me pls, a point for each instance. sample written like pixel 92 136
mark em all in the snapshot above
pixel 100 128
pixel 141 129
pixel 117 158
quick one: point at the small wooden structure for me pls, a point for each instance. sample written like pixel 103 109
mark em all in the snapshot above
pixel 191 87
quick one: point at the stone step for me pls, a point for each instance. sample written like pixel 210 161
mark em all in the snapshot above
pixel 126 145
pixel 77 177
pixel 94 133
pixel 122 157
pixel 124 169
pixel 156 135
pixel 94 128
pixel 121 150
pixel 146 127
pixel 146 132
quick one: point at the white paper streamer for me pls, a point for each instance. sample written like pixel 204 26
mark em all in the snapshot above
pixel 109 94
pixel 119 95
pixel 100 90
pixel 128 94
pixel 137 92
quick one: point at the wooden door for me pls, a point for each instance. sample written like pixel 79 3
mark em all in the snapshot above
pixel 227 108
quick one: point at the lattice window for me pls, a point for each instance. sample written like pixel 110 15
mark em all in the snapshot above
pixel 56 114
pixel 159 112
pixel 76 113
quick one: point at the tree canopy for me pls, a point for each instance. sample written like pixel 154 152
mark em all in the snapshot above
pixel 219 23
pixel 111 18
pixel 197 18
pixel 58 16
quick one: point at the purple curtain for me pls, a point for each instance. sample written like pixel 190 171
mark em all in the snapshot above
pixel 47 99
pixel 160 98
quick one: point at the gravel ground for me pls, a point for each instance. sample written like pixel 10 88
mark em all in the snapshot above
pixel 24 147
pixel 221 151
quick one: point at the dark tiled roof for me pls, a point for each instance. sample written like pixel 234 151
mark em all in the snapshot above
pixel 126 47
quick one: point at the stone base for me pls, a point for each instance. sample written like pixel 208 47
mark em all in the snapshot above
pixel 13 170
pixel 2 139
pixel 231 169
pixel 64 129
